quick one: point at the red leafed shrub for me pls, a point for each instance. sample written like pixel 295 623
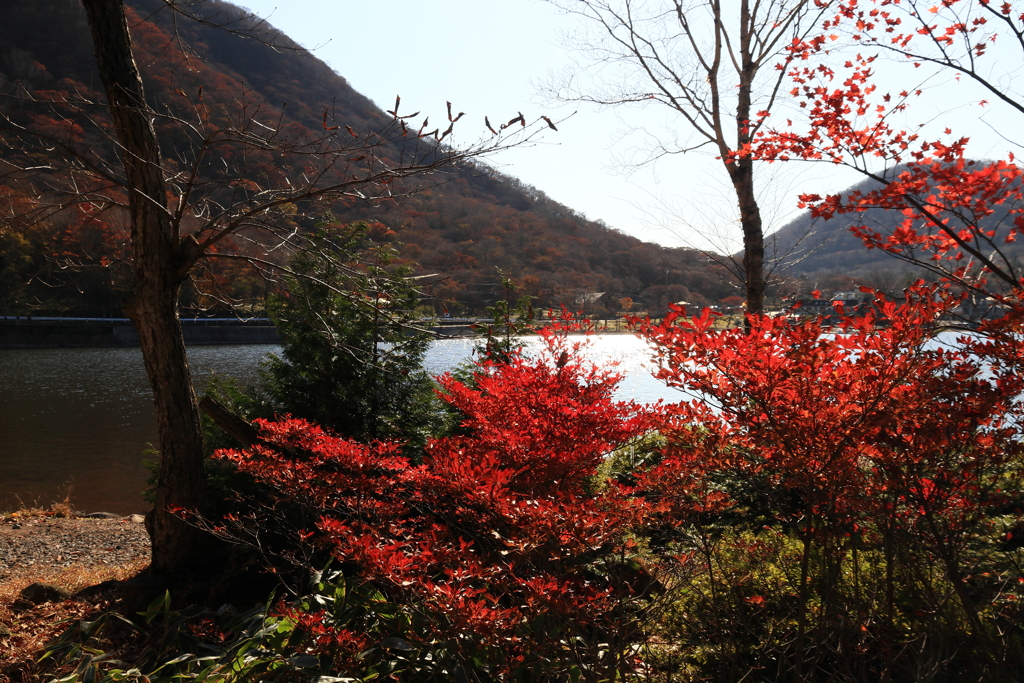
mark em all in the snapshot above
pixel 497 552
pixel 547 421
pixel 878 451
pixel 823 412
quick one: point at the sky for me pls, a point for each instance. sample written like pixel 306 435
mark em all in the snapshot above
pixel 491 57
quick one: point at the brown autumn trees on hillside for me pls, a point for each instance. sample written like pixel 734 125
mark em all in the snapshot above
pixel 241 186
pixel 476 221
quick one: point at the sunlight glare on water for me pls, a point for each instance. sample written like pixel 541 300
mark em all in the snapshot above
pixel 630 355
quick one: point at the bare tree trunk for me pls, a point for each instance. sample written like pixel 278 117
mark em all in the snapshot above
pixel 181 481
pixel 741 170
pixel 742 175
pixel 161 263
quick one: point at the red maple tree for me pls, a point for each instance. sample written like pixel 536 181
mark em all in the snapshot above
pixel 867 434
pixel 959 214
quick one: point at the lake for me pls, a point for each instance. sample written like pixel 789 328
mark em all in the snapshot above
pixel 76 421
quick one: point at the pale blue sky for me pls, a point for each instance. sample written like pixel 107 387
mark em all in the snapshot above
pixel 489 56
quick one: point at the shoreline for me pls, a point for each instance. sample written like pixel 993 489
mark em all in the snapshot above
pixel 33 333
pixel 52 333
pixel 33 540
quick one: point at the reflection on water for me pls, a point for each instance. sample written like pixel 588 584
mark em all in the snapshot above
pixel 80 419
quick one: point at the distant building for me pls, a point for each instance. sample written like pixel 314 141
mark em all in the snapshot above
pixel 813 307
pixel 848 299
pixel 851 301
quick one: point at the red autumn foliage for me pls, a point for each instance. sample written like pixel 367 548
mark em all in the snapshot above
pixel 812 403
pixel 498 541
pixel 860 426
pixel 959 214
pixel 549 427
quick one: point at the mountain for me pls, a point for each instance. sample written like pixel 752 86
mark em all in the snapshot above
pixel 465 229
pixel 813 249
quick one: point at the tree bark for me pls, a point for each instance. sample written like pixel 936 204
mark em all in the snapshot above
pixel 742 176
pixel 161 263
pixel 234 426
pixel 741 171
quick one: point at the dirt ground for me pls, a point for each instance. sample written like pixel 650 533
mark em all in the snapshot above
pixel 46 541
pixel 70 552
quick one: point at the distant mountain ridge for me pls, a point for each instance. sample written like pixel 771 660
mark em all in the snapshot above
pixel 465 230
pixel 808 247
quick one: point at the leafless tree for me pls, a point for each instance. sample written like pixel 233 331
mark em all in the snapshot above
pixel 247 177
pixel 717 64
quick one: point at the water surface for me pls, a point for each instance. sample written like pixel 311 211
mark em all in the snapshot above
pixel 77 421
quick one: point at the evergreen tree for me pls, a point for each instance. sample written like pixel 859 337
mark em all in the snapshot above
pixel 352 344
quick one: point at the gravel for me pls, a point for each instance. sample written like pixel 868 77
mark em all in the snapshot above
pixel 63 542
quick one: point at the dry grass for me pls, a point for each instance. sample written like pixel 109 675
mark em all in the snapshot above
pixel 24 512
pixel 73 578
pixel 32 626
pixel 59 509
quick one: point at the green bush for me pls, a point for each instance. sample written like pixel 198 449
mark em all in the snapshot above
pixel 352 343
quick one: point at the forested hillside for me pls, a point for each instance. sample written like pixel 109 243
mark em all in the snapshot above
pixel 464 225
